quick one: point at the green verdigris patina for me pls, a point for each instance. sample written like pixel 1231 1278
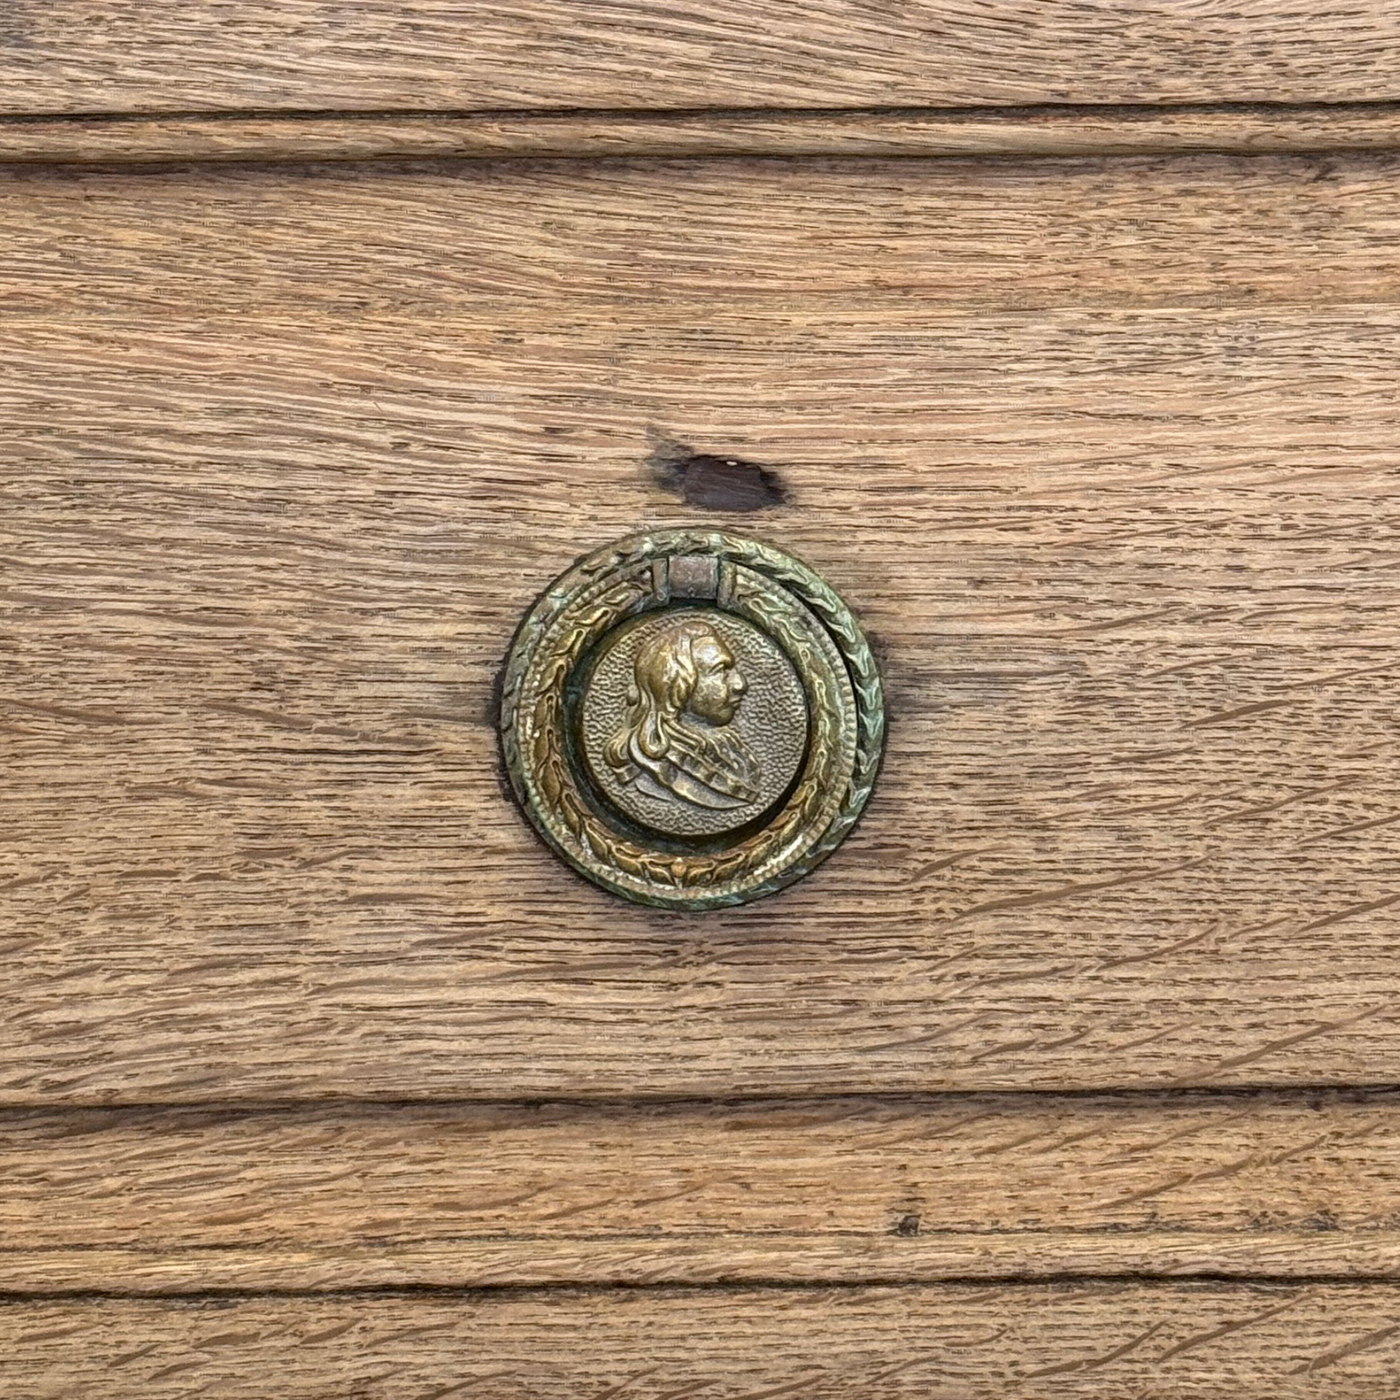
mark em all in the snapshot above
pixel 691 719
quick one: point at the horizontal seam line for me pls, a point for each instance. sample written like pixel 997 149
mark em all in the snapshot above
pixel 1125 110
pixel 915 1099
pixel 979 1282
pixel 1096 1234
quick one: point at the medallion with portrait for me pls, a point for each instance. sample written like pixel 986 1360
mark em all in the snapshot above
pixel 690 718
pixel 693 722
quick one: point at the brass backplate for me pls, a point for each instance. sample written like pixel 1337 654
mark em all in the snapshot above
pixel 691 719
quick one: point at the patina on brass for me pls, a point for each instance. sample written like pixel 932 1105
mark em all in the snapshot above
pixel 691 719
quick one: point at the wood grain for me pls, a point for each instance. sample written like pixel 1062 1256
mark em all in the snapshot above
pixel 819 1191
pixel 1020 132
pixel 1082 1342
pixel 777 1259
pixel 135 55
pixel 1101 452
pixel 567 248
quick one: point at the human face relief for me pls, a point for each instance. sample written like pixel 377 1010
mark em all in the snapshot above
pixel 719 684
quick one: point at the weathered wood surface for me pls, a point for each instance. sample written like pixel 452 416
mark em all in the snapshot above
pixel 1099 1341
pixel 118 55
pixel 1101 452
pixel 1044 131
pixel 641 1261
pixel 468 1196
pixel 818 245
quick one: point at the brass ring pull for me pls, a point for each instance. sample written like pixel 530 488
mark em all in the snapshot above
pixel 691 719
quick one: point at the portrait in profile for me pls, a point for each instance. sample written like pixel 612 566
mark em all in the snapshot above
pixel 678 739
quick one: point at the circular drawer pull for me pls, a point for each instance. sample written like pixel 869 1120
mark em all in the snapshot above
pixel 691 719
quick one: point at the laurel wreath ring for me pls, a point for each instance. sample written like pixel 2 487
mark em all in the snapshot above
pixel 804 615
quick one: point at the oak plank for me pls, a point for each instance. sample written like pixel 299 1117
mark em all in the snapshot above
pixel 1101 453
pixel 551 246
pixel 781 1259
pixel 1045 131
pixel 84 56
pixel 358 1196
pixel 1032 1342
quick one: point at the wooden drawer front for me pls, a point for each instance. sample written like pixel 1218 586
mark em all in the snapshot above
pixel 1065 1076
pixel 813 1191
pixel 1088 1342
pixel 1100 451
pixel 98 56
